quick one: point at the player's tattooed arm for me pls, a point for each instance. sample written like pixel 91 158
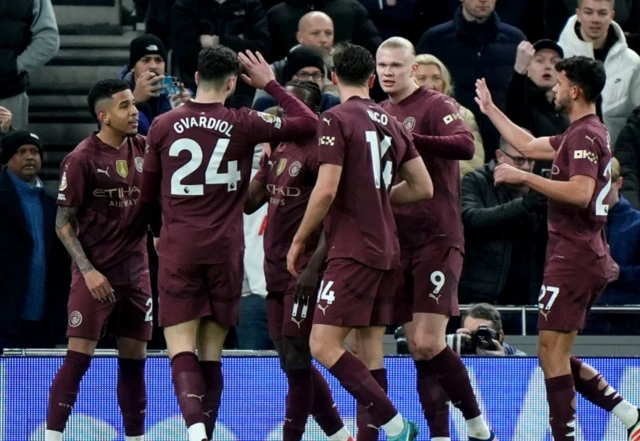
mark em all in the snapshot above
pixel 256 197
pixel 66 225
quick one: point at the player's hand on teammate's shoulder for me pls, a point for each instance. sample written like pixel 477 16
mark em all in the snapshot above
pixel 179 99
pixel 5 119
pixel 258 72
pixel 507 174
pixel 99 286
pixel 483 96
pixel 296 250
pixel 307 283
pixel 147 87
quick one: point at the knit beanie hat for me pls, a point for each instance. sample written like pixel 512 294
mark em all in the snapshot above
pixel 144 45
pixel 12 141
pixel 300 58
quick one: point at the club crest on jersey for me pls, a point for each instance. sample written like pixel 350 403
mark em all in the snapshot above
pixel 294 169
pixel 282 165
pixel 409 123
pixel 63 182
pixel 75 319
pixel 122 168
pixel 139 163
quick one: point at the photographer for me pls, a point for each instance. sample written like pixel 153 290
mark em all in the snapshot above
pixel 481 334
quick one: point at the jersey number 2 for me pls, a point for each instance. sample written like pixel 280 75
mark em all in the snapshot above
pixel 378 150
pixel 602 209
pixel 212 174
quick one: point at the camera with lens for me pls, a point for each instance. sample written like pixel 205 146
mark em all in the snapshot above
pixel 480 338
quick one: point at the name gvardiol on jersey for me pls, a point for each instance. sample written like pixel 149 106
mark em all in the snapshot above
pixel 205 123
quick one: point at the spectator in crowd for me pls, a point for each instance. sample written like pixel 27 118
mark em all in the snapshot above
pixel 392 18
pixel 627 15
pixel 593 33
pixel 355 25
pixel 158 20
pixel 315 31
pixel 530 98
pixel 476 44
pixel 505 236
pixel 627 151
pixel 252 332
pixel 623 237
pixel 34 268
pixel 28 40
pixel 144 73
pixel 432 74
pixel 237 24
pixel 303 64
pixel 526 15
pixel 485 315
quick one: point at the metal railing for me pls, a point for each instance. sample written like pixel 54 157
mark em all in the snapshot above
pixel 524 309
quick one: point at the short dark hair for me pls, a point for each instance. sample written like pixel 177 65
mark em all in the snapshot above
pixel 217 64
pixel 613 3
pixel 586 73
pixel 484 311
pixel 312 93
pixel 354 64
pixel 104 89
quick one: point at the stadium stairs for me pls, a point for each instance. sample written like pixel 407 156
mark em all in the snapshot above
pixel 58 111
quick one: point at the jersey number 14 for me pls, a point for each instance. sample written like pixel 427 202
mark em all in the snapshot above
pixel 212 173
pixel 378 150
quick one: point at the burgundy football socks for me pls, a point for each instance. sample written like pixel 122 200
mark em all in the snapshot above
pixel 132 395
pixel 561 396
pixel 323 408
pixel 214 383
pixel 433 399
pixel 190 390
pixel 367 430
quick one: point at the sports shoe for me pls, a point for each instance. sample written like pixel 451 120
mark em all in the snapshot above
pixel 493 437
pixel 409 433
pixel 634 432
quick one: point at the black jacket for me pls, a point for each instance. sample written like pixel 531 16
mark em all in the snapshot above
pixel 15 255
pixel 627 151
pixel 471 51
pixel 492 216
pixel 351 23
pixel 240 24
pixel 15 36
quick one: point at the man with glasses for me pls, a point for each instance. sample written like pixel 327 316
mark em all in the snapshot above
pixel 505 235
pixel 303 64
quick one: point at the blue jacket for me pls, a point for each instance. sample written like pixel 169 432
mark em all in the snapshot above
pixel 471 51
pixel 623 236
pixel 150 109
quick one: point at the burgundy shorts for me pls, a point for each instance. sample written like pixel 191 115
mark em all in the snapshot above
pixel 191 291
pixel 130 316
pixel 429 283
pixel 288 316
pixel 566 296
pixel 354 295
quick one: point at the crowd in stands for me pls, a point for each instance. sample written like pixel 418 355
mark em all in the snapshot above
pixel 514 44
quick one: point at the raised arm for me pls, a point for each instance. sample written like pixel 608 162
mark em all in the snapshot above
pixel 523 141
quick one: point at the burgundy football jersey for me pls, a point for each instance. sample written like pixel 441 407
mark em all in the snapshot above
pixel 370 145
pixel 104 182
pixel 204 154
pixel 578 233
pixel 438 220
pixel 289 175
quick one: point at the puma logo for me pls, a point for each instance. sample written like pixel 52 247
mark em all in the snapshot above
pixel 327 120
pixel 200 397
pixel 591 140
pixel 297 322
pixel 288 420
pixel 324 310
pixel 435 297
pixel 450 102
pixel 207 413
pixel 545 314
pixel 371 426
pixel 106 172
pixel 368 406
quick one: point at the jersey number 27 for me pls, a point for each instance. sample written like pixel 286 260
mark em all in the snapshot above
pixel 212 174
